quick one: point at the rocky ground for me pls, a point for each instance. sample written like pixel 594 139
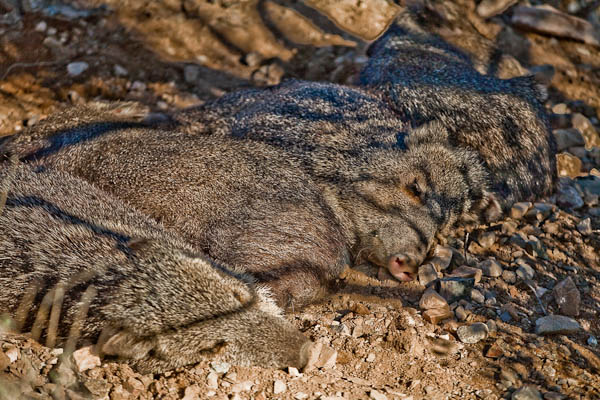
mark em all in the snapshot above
pixel 509 310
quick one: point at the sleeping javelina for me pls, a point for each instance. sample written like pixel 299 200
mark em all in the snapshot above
pixel 158 303
pixel 246 204
pixel 392 188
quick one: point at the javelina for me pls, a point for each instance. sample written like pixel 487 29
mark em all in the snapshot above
pixel 247 205
pixel 364 158
pixel 158 303
pixel 423 78
pixel 392 188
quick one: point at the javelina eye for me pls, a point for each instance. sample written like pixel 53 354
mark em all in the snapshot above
pixel 414 190
pixel 374 233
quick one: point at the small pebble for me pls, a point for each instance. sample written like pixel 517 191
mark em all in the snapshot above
pixel 77 68
pixel 592 341
pixel 526 393
pixel 473 333
pixel 585 227
pixel 477 296
pixel 293 372
pixel 375 395
pixel 300 396
pixel 279 387
pixel 220 367
pixel 525 272
pixel 41 26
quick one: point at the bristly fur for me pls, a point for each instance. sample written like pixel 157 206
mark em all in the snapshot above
pixel 247 205
pixel 154 300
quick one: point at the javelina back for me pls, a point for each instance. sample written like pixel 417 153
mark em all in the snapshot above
pixel 247 205
pixel 158 303
pixel 423 78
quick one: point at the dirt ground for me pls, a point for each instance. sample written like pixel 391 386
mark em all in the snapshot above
pixel 487 343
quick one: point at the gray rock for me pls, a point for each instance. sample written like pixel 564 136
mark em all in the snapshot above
pixel 473 333
pixel 477 296
pixel 592 341
pixel 427 274
pixel 585 227
pixel 519 209
pixel 509 276
pixel 556 324
pixel 567 297
pixel 431 299
pixel 568 197
pixel 525 272
pixel 589 184
pixel 442 256
pixel 526 393
pixel 191 73
pixel 490 267
pixel 486 239
pixel 77 68
pixel 453 289
pixel 566 138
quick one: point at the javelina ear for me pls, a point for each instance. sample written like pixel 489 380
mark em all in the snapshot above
pixel 126 345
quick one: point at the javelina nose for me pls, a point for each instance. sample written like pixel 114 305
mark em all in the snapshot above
pixel 402 267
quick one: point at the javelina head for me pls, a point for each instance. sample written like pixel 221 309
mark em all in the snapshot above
pixel 181 308
pixel 407 197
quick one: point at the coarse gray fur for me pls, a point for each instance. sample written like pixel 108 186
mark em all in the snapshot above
pixel 423 78
pixel 412 78
pixel 247 205
pixel 159 303
pixel 390 203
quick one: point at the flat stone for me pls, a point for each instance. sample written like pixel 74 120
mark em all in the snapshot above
pixel 556 324
pixel 567 297
pixel 566 138
pixel 560 108
pixel 548 20
pixel 473 333
pixel 431 299
pixel 465 271
pixel 427 274
pixel 539 211
pixel 491 268
pixel 526 393
pixel 518 210
pixel 437 315
pixel 453 289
